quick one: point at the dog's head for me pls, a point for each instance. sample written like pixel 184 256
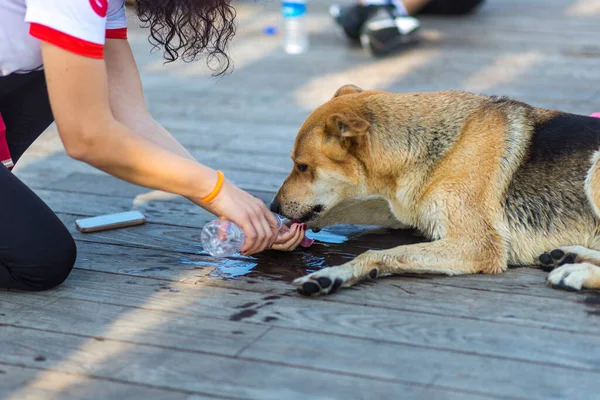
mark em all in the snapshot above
pixel 329 159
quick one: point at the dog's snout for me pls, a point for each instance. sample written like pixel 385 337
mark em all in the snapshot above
pixel 275 206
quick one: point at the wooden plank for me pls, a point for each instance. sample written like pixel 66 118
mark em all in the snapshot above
pixel 496 333
pixel 419 323
pixel 172 326
pixel 12 305
pixel 422 365
pixel 195 371
pixel 570 311
pixel 374 354
pixel 29 383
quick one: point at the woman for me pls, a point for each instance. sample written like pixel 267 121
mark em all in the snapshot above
pixel 69 61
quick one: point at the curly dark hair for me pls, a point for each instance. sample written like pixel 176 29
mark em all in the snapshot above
pixel 187 29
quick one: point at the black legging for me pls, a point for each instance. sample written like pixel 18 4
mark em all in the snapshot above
pixel 37 251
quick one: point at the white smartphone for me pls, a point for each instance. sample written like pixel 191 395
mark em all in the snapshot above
pixel 110 221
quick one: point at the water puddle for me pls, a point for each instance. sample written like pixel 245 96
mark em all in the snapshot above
pixel 333 246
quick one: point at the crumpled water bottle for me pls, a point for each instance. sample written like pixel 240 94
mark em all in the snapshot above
pixel 223 238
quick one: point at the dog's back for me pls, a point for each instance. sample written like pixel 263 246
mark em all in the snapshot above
pixel 546 202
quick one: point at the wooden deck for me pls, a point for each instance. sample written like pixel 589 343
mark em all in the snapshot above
pixel 146 316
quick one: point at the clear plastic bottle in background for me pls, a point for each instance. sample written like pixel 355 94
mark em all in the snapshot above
pixel 223 238
pixel 295 36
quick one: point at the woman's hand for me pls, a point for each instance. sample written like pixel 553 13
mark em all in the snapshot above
pixel 289 238
pixel 249 213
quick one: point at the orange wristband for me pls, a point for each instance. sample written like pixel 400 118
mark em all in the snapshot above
pixel 215 192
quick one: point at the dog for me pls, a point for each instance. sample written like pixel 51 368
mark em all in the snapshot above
pixel 490 181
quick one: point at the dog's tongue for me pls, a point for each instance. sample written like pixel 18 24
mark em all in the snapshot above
pixel 306 242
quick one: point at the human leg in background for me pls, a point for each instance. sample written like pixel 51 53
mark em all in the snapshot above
pixel 381 25
pixel 445 7
pixel 384 26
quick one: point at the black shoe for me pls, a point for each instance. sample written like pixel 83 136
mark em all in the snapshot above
pixel 351 18
pixel 384 33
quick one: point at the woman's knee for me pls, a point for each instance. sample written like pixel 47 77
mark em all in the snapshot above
pixel 37 251
pixel 47 264
pixel 61 262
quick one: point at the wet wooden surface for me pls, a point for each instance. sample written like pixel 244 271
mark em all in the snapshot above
pixel 146 314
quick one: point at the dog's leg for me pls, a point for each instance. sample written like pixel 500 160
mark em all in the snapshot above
pixel 575 277
pixel 447 256
pixel 573 268
pixel 577 267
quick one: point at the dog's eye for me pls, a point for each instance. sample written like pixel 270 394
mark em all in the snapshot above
pixel 302 167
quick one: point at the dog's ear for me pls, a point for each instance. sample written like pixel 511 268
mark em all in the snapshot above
pixel 347 89
pixel 346 125
pixel 343 131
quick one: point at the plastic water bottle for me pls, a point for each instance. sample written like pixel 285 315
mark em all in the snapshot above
pixel 223 238
pixel 295 37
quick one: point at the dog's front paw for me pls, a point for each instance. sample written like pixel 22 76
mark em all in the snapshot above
pixel 325 281
pixel 573 277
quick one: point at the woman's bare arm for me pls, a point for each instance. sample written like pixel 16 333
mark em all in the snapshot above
pixel 80 100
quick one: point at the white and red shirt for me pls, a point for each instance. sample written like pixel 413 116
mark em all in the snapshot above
pixel 79 26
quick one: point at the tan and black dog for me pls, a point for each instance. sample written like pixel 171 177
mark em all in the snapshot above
pixel 490 181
